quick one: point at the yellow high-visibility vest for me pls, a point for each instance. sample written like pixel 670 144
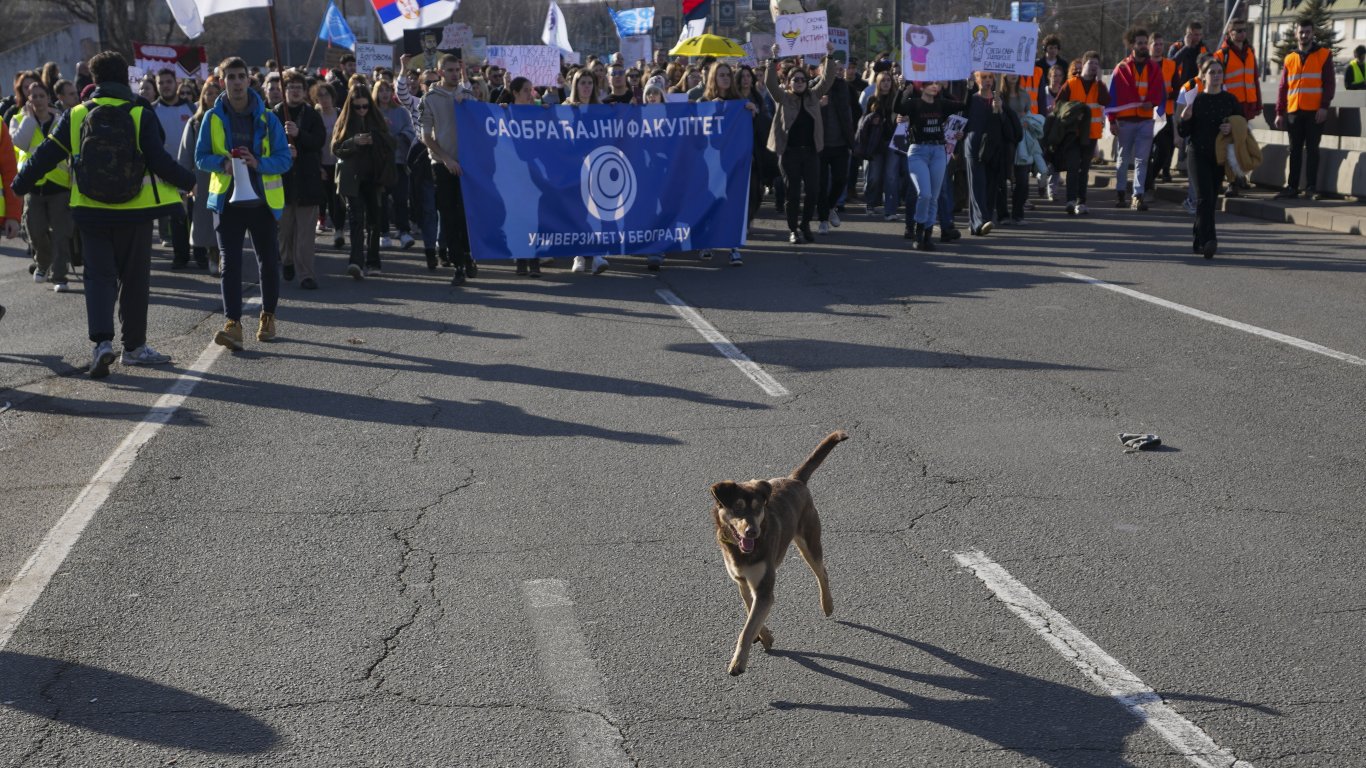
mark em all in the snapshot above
pixel 154 193
pixel 219 182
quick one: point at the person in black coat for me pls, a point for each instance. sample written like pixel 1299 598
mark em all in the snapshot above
pixel 303 182
pixel 838 115
pixel 1202 120
pixel 989 148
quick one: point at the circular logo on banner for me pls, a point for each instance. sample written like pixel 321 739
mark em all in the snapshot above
pixel 608 184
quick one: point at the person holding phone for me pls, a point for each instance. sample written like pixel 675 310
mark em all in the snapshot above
pixel 365 166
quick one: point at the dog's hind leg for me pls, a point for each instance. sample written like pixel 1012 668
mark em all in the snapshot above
pixel 765 636
pixel 809 545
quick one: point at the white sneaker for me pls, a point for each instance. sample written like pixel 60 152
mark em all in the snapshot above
pixel 1187 207
pixel 580 264
pixel 145 355
pixel 39 276
pixel 600 265
pixel 385 242
pixel 834 218
pixel 101 359
pixel 892 217
pixel 874 210
pixel 1082 210
pixel 736 260
pixel 61 287
pixel 824 228
pixel 405 240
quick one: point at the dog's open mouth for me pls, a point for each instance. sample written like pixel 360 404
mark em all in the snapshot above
pixel 747 544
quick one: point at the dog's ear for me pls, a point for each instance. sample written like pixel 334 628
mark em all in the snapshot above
pixel 762 491
pixel 726 492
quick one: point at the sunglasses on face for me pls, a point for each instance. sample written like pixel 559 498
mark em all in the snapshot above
pixel 361 107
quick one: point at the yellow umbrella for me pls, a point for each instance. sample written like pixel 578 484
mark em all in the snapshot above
pixel 709 45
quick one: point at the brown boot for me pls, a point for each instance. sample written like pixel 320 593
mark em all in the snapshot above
pixel 266 330
pixel 230 336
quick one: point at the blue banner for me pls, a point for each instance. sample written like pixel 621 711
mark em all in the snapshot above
pixel 602 180
pixel 636 21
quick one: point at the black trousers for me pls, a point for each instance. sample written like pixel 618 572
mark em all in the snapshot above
pixel 1164 146
pixel 118 269
pixel 834 177
pixel 1076 158
pixel 364 212
pixel 1019 176
pixel 233 225
pixel 1206 175
pixel 801 176
pixel 1304 139
pixel 454 234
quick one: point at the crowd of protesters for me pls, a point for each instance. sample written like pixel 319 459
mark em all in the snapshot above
pixel 370 159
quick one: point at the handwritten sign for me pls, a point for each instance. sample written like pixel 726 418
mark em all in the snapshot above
pixel 802 34
pixel 369 56
pixel 477 51
pixel 1003 46
pixel 456 36
pixel 538 63
pixel 936 52
pixel 749 59
pixel 840 39
pixel 635 48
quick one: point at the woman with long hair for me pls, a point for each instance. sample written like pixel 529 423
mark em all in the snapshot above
pixel 47 209
pixel 721 87
pixel 521 93
pixel 203 238
pixel 1202 121
pixel 401 129
pixel 583 90
pixel 988 148
pixel 927 114
pixel 797 137
pixel 365 162
pixel 747 87
pixel 334 205
pixel 886 166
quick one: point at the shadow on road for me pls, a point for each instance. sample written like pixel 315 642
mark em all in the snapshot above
pixel 815 355
pixel 127 707
pixel 1058 725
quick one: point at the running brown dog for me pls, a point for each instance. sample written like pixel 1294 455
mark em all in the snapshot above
pixel 755 523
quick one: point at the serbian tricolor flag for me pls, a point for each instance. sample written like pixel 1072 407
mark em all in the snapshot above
pixel 696 9
pixel 398 15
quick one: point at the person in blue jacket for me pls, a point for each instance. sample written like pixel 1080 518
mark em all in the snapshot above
pixel 240 130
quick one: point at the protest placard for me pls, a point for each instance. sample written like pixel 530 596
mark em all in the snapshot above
pixel 936 52
pixel 636 48
pixel 538 63
pixel 840 39
pixel 749 59
pixel 1003 46
pixel 185 60
pixel 370 55
pixel 478 50
pixel 802 34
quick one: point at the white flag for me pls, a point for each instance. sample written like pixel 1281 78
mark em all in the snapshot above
pixel 190 14
pixel 692 29
pixel 556 32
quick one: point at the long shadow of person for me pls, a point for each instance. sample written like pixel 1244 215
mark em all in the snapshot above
pixel 1057 724
pixel 115 704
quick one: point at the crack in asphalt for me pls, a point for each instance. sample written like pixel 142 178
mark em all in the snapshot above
pixel 416 576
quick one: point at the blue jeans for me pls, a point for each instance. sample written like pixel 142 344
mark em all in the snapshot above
pixel 946 203
pixel 884 180
pixel 425 201
pixel 926 163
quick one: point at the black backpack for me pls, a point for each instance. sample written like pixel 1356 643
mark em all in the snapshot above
pixel 108 164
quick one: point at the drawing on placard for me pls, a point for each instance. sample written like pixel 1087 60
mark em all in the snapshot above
pixel 918 40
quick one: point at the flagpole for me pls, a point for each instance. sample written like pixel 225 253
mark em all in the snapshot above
pixel 275 41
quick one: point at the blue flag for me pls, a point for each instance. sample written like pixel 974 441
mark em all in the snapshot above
pixel 637 21
pixel 335 30
pixel 597 180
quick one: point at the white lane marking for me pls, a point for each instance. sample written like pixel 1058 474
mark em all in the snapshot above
pixel 1193 312
pixel 1102 668
pixel 750 368
pixel 574 678
pixel 42 565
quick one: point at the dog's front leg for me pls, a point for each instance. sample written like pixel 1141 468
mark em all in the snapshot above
pixel 754 622
pixel 765 635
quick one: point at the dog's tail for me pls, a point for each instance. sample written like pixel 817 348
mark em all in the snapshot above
pixel 803 473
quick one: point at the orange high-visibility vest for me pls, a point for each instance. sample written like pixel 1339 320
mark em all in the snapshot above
pixel 1075 90
pixel 1168 72
pixel 1030 85
pixel 1304 80
pixel 1240 73
pixel 1144 110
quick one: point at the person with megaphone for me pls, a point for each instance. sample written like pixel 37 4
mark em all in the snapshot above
pixel 244 149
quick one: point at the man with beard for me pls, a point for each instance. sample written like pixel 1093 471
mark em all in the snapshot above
pixel 1136 90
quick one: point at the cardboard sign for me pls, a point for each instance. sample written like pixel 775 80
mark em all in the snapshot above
pixel 478 50
pixel 186 60
pixel 936 52
pixel 840 39
pixel 802 34
pixel 456 35
pixel 538 63
pixel 635 48
pixel 370 55
pixel 1003 46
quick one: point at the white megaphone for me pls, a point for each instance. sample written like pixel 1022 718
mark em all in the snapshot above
pixel 241 183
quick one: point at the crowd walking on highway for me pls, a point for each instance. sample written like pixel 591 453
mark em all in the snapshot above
pixel 93 167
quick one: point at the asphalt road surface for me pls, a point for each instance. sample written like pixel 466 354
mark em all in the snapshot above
pixel 435 526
